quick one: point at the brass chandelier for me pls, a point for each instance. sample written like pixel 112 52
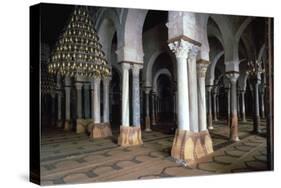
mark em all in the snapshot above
pixel 255 68
pixel 78 51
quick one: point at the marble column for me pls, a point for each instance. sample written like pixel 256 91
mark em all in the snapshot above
pixel 243 106
pixel 59 102
pixel 256 107
pixel 238 104
pixel 210 116
pixel 67 123
pixel 97 115
pixel 86 89
pixel 201 73
pixel 136 94
pixel 215 106
pixel 153 105
pixel 125 95
pixel 147 113
pixel 53 108
pixel 78 87
pixel 105 82
pixel 181 49
pixel 92 99
pixel 262 102
pixel 192 91
pixel 100 129
pixel 233 76
pixel 130 135
pixel 59 109
pixel 188 144
pixel 228 107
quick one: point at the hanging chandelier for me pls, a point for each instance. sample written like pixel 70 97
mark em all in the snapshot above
pixel 255 68
pixel 78 51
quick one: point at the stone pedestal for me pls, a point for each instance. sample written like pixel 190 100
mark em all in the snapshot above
pixel 101 130
pixel 190 146
pixel 82 125
pixel 129 136
pixel 67 125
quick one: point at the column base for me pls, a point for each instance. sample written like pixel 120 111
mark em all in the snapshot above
pixel 210 123
pixel 129 136
pixel 147 124
pixel 101 130
pixel 190 146
pixel 59 124
pixel 67 125
pixel 234 129
pixel 82 125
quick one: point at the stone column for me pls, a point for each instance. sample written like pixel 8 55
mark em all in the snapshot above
pixel 53 108
pixel 187 145
pixel 210 117
pixel 106 100
pixel 67 122
pixel 262 102
pixel 78 87
pixel 125 95
pixel 130 136
pixel 233 76
pixel 97 115
pixel 243 106
pixel 181 49
pixel 136 95
pixel 257 107
pixel 92 99
pixel 201 73
pixel 192 92
pixel 59 110
pixel 238 104
pixel 147 113
pixel 153 108
pixel 100 130
pixel 86 100
pixel 215 106
pixel 218 106
pixel 228 107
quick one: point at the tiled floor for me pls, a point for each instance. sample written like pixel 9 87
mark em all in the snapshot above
pixel 67 157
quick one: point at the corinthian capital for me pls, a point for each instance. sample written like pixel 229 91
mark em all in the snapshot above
pixel 232 76
pixel 193 52
pixel 201 70
pixel 136 69
pixel 180 48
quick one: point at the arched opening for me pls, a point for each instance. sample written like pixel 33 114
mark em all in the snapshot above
pixel 115 87
pixel 164 90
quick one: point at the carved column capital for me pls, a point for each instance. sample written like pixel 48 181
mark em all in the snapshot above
pixel 201 70
pixel 180 48
pixel 193 52
pixel 125 66
pixel 232 76
pixel 78 85
pixel 136 69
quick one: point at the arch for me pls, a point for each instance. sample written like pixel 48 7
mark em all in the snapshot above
pixel 211 69
pixel 130 44
pixel 242 27
pixel 261 52
pixel 148 66
pixel 107 24
pixel 158 73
